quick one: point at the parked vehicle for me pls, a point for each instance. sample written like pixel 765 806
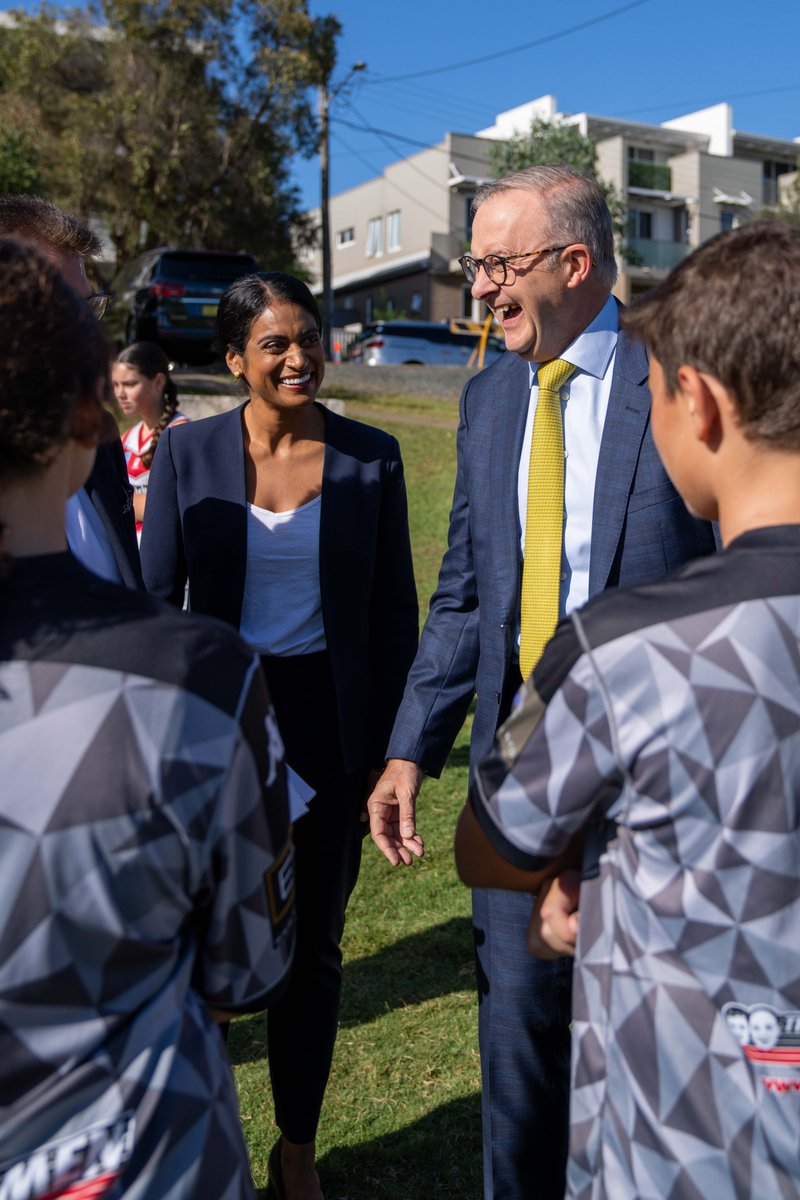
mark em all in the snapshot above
pixel 171 296
pixel 407 342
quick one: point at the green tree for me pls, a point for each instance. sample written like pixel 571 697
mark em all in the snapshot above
pixel 556 142
pixel 174 121
pixel 19 163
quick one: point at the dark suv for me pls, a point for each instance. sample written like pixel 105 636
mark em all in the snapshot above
pixel 171 297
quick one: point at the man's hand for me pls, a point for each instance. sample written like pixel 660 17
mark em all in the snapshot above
pixel 392 808
pixel 553 928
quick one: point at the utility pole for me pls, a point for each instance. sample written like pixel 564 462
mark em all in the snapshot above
pixel 326 96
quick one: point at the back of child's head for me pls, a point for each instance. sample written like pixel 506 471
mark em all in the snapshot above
pixel 732 310
pixel 52 356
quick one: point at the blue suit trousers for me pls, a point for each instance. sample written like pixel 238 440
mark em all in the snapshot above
pixel 524 1019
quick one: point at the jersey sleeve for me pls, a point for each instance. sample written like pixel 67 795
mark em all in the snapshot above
pixel 554 766
pixel 247 939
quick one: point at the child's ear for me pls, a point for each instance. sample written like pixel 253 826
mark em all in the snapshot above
pixel 702 396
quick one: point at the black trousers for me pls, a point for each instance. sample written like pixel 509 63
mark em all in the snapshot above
pixel 301 1027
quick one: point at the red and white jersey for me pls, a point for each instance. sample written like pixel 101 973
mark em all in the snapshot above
pixel 136 441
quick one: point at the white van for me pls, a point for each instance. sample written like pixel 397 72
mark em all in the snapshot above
pixel 420 342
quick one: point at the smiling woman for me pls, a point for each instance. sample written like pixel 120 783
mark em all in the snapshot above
pixel 290 523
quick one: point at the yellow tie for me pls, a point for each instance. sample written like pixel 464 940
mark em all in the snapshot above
pixel 544 525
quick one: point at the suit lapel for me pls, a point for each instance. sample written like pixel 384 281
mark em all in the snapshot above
pixel 339 515
pixel 625 426
pixel 230 516
pixel 510 398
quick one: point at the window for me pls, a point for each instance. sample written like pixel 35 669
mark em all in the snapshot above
pixel 680 225
pixel 369 304
pixel 345 237
pixel 468 216
pixel 375 238
pixel 416 302
pixel 728 219
pixel 772 171
pixel 640 223
pixel 647 169
pixel 393 230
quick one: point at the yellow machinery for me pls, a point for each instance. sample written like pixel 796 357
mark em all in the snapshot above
pixel 482 328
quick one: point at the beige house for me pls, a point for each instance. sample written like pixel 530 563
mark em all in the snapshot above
pixel 396 239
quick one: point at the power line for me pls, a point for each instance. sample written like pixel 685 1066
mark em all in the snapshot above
pixel 396 187
pixel 385 139
pixel 473 62
pixel 399 137
pixel 787 87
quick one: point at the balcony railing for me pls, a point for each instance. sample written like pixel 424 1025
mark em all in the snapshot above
pixel 644 252
pixel 655 176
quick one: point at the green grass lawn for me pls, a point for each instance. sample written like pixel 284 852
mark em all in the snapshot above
pixel 402 1113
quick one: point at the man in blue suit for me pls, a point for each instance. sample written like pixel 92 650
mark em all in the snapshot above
pixel 543 261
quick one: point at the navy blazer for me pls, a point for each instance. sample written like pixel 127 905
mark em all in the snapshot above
pixel 195 528
pixel 640 530
pixel 111 495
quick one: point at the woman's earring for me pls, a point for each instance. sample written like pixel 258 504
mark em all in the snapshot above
pixel 237 374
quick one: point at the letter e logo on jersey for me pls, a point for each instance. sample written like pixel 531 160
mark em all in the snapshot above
pixel 280 889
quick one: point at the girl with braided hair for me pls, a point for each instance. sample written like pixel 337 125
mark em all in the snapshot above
pixel 145 388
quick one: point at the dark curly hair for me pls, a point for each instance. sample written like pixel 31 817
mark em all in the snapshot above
pixel 52 355
pixel 150 360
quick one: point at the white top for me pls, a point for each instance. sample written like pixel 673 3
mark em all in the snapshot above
pixel 584 403
pixel 87 539
pixel 282 607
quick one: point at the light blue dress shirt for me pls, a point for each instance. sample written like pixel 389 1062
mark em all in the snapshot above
pixel 584 402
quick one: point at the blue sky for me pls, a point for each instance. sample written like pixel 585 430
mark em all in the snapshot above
pixel 657 60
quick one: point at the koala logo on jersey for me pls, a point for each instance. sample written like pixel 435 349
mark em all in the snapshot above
pixel 770 1040
pixel 274 746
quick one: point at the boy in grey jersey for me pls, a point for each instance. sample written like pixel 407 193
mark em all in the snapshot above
pixel 146 877
pixel 662 726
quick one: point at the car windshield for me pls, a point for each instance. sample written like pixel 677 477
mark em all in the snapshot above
pixel 217 268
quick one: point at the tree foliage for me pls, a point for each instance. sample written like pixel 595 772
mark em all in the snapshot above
pixel 173 120
pixel 556 142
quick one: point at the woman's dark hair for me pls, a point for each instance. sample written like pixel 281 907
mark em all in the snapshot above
pixel 150 360
pixel 246 299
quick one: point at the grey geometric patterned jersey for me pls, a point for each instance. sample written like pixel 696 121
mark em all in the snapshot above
pixel 665 721
pixel 146 876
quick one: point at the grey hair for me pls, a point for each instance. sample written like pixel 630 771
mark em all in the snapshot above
pixel 577 209
pixel 41 222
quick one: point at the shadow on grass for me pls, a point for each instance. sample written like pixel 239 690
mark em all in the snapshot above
pixel 425 965
pixel 437 1156
pixel 459 756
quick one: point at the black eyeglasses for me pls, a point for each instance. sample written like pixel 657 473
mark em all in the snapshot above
pixel 496 266
pixel 98 303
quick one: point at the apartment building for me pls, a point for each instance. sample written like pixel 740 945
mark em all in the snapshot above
pixel 396 239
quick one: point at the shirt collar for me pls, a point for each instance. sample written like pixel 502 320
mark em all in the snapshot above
pixel 592 349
